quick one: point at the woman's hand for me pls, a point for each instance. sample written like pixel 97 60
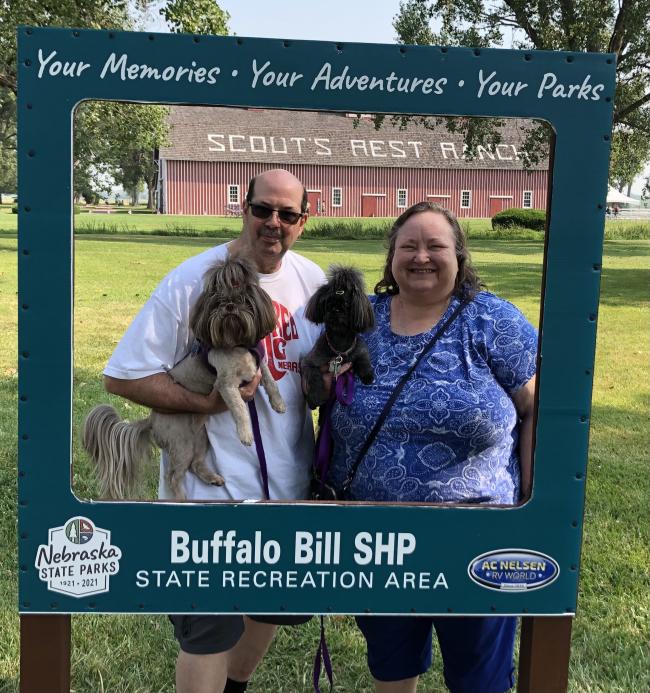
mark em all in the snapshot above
pixel 328 376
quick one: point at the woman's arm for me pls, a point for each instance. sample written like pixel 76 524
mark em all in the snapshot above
pixel 524 400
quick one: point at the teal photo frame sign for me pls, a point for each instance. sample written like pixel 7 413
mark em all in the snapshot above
pixel 80 556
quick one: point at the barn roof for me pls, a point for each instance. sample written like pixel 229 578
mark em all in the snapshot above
pixel 200 133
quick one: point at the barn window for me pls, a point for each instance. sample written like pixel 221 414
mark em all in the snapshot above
pixel 233 194
pixel 337 197
pixel 465 199
pixel 402 198
pixel 527 201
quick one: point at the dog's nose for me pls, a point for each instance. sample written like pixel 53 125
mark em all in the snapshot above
pixel 230 307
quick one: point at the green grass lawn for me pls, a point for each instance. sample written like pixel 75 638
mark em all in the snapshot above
pixel 136 654
pixel 143 223
pixel 122 222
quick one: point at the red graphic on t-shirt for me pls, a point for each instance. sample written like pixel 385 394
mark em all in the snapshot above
pixel 276 343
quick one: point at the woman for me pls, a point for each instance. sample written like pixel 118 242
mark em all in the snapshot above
pixel 460 431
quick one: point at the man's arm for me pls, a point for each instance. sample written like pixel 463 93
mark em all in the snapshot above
pixel 160 392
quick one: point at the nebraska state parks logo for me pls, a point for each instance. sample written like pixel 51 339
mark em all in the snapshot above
pixel 78 559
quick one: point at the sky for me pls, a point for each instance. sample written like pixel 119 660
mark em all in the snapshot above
pixel 360 21
pixel 367 21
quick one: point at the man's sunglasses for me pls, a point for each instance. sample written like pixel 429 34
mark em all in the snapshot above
pixel 285 215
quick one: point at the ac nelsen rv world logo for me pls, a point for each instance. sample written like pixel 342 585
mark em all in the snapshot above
pixel 78 559
pixel 513 570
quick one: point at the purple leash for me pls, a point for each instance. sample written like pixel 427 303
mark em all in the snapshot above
pixel 342 391
pixel 324 654
pixel 259 447
pixel 259 353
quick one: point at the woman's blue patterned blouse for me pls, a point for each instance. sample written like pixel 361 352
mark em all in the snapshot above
pixel 452 433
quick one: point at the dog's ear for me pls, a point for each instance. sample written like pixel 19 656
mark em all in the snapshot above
pixel 362 314
pixel 266 319
pixel 213 279
pixel 243 271
pixel 199 315
pixel 315 308
pixel 200 312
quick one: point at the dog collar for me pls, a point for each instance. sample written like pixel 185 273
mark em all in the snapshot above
pixel 336 351
pixel 201 351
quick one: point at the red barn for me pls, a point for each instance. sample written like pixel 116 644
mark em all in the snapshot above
pixel 350 169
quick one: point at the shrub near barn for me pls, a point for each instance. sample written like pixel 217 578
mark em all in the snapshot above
pixel 534 219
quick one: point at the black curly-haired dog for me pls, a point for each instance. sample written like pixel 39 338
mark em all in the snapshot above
pixel 343 307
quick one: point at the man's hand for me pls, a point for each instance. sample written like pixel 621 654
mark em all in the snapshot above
pixel 247 391
pixel 213 403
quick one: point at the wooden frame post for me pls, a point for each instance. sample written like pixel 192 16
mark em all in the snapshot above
pixel 45 653
pixel 544 652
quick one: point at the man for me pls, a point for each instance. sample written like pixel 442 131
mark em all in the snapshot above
pixel 274 216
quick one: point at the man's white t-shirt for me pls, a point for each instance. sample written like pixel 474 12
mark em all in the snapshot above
pixel 159 337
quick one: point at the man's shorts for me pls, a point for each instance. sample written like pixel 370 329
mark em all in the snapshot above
pixel 477 652
pixel 203 635
pixel 213 634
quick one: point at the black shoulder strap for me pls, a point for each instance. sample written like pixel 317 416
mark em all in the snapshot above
pixel 398 388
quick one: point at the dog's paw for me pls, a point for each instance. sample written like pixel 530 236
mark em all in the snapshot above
pixel 217 480
pixel 368 378
pixel 279 405
pixel 246 437
pixel 206 474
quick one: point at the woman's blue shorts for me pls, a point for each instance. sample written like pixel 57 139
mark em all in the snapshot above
pixel 477 652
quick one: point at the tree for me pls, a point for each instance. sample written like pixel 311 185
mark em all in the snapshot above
pixel 112 141
pixel 140 131
pixel 612 26
pixel 116 143
pixel 195 17
pixel 89 14
pixel 630 152
pixel 92 14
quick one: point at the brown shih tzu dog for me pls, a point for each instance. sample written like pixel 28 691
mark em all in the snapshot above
pixel 343 307
pixel 232 315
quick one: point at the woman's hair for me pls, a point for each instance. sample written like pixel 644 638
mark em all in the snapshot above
pixel 467 280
